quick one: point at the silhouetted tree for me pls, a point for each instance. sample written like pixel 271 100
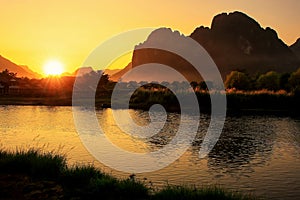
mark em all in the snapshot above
pixel 104 80
pixel 194 84
pixel 203 85
pixel 237 80
pixel 269 81
pixel 284 81
pixel 103 84
pixel 5 79
pixel 294 79
pixel 6 74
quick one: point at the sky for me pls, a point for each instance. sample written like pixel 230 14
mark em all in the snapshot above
pixel 34 32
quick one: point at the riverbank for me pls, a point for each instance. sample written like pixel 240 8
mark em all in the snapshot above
pixel 238 103
pixel 40 175
pixel 35 101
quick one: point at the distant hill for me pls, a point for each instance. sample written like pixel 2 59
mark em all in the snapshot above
pixel 82 70
pixel 86 70
pixel 235 42
pixel 21 70
pixel 296 48
pixel 120 73
pixel 111 72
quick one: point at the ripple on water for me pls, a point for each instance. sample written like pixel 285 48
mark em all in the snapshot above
pixel 259 154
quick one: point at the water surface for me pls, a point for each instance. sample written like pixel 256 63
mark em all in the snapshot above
pixel 256 154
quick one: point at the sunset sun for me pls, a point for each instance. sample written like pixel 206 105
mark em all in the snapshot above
pixel 53 68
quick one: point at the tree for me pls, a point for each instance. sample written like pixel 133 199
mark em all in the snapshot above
pixel 284 81
pixel 5 79
pixel 294 79
pixel 5 74
pixel 237 80
pixel 194 84
pixel 204 85
pixel 269 81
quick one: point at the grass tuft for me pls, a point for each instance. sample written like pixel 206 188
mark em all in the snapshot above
pixel 32 162
pixel 85 182
pixel 211 192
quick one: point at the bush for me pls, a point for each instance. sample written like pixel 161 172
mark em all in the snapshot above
pixel 237 80
pixel 269 81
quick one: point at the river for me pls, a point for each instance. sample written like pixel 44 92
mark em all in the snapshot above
pixel 255 154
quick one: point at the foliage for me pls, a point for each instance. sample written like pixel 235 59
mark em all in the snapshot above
pixel 237 80
pixel 7 75
pixel 180 193
pixel 83 182
pixel 284 81
pixel 294 80
pixel 205 85
pixel 87 182
pixel 194 84
pixel 269 81
pixel 32 162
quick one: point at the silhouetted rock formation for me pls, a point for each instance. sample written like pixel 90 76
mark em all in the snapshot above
pixel 296 48
pixel 87 70
pixel 111 72
pixel 82 71
pixel 116 76
pixel 235 42
pixel 162 37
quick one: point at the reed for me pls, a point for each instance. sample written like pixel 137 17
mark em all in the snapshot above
pixel 86 181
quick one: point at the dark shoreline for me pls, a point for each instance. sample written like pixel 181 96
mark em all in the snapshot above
pixel 237 111
pixel 35 101
pixel 46 175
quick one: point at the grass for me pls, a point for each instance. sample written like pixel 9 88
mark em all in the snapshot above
pixel 87 182
pixel 32 162
pixel 212 192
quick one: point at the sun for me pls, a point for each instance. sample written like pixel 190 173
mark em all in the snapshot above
pixel 53 68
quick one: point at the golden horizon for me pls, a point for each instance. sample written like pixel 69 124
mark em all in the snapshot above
pixel 41 30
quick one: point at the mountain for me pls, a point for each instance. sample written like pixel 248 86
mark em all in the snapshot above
pixel 111 72
pixel 296 48
pixel 21 70
pixel 155 61
pixel 86 70
pixel 82 71
pixel 116 76
pixel 235 41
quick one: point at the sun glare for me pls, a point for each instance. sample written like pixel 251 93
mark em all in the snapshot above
pixel 53 68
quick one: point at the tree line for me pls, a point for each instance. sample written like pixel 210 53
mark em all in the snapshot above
pixel 272 81
pixel 236 80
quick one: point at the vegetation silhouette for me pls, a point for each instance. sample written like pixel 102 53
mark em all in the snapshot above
pixel 277 93
pixel 45 175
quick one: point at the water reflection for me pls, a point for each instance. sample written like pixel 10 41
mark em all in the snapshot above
pixel 245 143
pixel 254 153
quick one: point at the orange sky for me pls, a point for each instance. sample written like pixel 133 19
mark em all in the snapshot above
pixel 35 31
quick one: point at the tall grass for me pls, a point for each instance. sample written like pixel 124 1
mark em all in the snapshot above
pixel 87 182
pixel 193 193
pixel 32 162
